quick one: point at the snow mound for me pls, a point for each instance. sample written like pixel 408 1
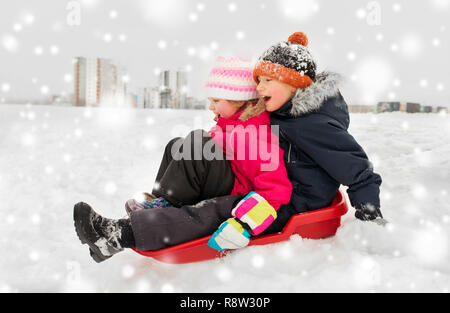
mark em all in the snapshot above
pixel 54 157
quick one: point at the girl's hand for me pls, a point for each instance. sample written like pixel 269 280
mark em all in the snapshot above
pixel 256 212
pixel 230 235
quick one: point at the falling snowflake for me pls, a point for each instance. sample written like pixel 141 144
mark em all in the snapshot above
pixel 214 45
pixel 78 132
pixel 430 244
pixel 419 191
pixel 396 7
pixel 68 78
pixel 28 139
pixel 49 170
pixel 361 13
pixel 423 83
pixel 366 272
pixel 200 7
pixel 17 27
pixel 411 46
pixel 440 4
pixel 29 19
pixel 143 286
pixel 436 42
pixel 258 261
pixel 374 75
pixel 128 271
pixel 45 90
pixel 113 14
pixel 38 50
pixel 167 288
pixel 107 37
pixel 351 56
pixel 232 7
pixel 298 10
pixel 126 78
pixel 285 251
pixel 224 273
pixel 204 52
pixel 67 158
pixel 10 43
pixel 240 35
pixel 191 51
pixel 110 188
pixel 5 87
pixel 35 219
pixel 193 17
pixel 54 50
pixel 159 11
pixel 34 256
pixel 10 219
pixel 162 44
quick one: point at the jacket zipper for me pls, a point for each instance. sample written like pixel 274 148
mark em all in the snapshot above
pixel 290 145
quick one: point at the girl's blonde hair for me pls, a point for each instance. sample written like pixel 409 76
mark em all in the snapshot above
pixel 252 108
pixel 246 102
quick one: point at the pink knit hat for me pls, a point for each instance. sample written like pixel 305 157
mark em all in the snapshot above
pixel 231 79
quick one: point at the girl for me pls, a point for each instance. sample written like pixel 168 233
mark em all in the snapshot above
pixel 187 177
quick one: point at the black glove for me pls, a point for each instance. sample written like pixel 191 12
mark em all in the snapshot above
pixel 368 212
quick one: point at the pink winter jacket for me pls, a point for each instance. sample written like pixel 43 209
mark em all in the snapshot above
pixel 255 157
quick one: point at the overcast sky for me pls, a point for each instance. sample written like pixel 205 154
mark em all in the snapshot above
pixel 387 50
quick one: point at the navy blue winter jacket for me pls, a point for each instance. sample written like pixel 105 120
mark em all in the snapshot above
pixel 320 154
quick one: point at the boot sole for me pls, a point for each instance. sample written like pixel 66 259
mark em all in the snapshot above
pixel 82 213
pixel 98 258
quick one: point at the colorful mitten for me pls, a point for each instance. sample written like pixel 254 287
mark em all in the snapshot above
pixel 256 212
pixel 230 235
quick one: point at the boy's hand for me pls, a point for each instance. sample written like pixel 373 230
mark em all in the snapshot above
pixel 369 212
pixel 230 235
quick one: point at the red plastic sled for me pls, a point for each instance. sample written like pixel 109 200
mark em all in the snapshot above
pixel 313 225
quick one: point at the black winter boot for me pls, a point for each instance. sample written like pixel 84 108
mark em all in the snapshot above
pixel 104 236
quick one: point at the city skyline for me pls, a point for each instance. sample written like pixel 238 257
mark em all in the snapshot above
pixel 103 82
pixel 378 46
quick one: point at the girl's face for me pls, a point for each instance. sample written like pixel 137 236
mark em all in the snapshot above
pixel 274 92
pixel 224 108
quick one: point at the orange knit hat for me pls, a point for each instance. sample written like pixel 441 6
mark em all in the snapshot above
pixel 289 62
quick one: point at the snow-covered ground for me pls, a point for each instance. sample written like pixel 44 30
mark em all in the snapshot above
pixel 53 157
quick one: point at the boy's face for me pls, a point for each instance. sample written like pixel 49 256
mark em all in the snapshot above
pixel 224 108
pixel 274 92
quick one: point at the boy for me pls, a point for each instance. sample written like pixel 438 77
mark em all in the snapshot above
pixel 313 118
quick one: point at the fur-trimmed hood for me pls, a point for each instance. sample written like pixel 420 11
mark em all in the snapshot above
pixel 311 98
pixel 320 154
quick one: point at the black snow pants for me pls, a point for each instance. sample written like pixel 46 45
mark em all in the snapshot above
pixel 197 180
pixel 193 168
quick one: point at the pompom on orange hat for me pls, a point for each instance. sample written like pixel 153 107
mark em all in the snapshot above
pixel 289 62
